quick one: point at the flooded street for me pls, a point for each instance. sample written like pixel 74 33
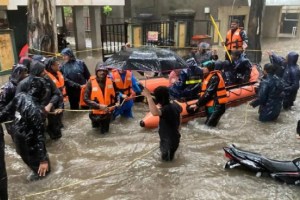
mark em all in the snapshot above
pixel 126 164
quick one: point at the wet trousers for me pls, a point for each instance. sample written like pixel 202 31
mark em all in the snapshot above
pixel 168 148
pixel 29 154
pixel 102 121
pixel 74 97
pixel 214 114
pixel 54 126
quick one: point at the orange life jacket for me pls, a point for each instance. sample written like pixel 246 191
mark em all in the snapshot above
pixel 60 83
pixel 97 94
pixel 124 86
pixel 81 101
pixel 234 41
pixel 221 91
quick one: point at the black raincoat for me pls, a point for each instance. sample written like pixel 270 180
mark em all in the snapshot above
pixel 215 112
pixel 270 96
pixel 291 75
pixel 28 124
pixel 242 70
pixel 52 95
pixel 7 93
pixel 76 74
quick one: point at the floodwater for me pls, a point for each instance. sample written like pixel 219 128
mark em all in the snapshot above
pixel 126 164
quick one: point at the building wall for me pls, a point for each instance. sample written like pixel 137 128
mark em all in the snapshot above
pixel 271 21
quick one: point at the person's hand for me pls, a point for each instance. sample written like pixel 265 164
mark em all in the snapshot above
pixel 244 45
pixel 43 168
pixel 222 43
pixel 104 108
pixel 194 107
pixel 48 107
pixel 124 96
pixel 146 92
pixel 58 111
pixel 269 53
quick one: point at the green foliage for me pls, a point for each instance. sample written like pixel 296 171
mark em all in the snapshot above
pixel 107 10
pixel 68 11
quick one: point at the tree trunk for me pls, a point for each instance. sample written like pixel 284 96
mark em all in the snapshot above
pixel 254 30
pixel 42 33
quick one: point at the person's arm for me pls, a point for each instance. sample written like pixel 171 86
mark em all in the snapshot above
pixel 244 36
pixel 210 91
pixel 86 72
pixel 87 94
pixel 8 110
pixel 294 75
pixel 275 59
pixel 56 95
pixel 153 108
pixel 68 82
pixel 37 124
pixel 135 85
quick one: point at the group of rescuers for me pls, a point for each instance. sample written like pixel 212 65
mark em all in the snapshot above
pixel 37 88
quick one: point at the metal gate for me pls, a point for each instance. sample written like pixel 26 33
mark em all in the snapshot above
pixel 164 29
pixel 113 37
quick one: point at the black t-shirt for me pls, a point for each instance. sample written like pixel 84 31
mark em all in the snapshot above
pixel 169 122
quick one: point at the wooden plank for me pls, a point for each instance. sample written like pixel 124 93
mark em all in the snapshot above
pixel 7 56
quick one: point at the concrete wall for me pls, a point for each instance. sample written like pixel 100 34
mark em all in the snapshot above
pixel 271 21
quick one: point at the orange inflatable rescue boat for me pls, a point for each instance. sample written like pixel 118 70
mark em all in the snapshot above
pixel 237 95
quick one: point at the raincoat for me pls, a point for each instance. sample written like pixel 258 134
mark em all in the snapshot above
pixel 52 95
pixel 28 124
pixel 270 96
pixel 76 74
pixel 181 89
pixel 8 90
pixel 291 75
pixel 214 112
pixel 126 109
pixel 241 70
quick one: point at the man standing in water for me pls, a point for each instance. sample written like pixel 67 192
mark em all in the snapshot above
pixel 213 95
pixel 169 120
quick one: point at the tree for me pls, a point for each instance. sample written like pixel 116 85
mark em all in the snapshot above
pixel 254 30
pixel 42 33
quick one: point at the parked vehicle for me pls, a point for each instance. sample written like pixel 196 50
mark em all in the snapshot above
pixel 284 171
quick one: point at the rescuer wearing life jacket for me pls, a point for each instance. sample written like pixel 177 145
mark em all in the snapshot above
pixel 128 85
pixel 100 96
pixel 213 94
pixel 236 38
pixel 189 82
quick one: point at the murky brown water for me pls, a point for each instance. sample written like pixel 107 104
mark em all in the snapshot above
pixel 125 163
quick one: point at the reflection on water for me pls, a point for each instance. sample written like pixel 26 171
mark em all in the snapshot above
pixel 125 163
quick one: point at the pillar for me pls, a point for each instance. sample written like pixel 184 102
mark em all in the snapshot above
pixel 79 27
pixel 95 20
